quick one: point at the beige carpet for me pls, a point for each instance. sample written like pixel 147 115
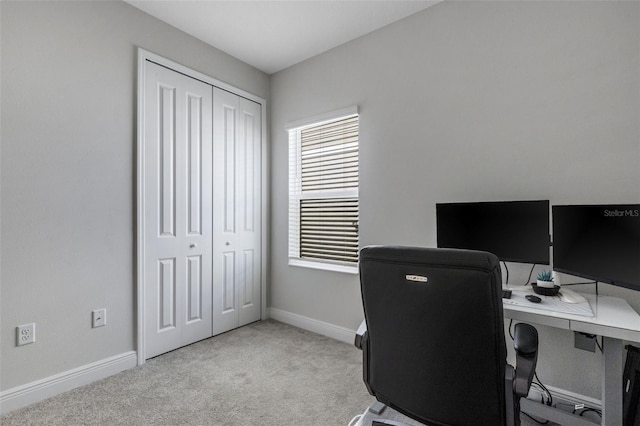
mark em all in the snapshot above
pixel 266 373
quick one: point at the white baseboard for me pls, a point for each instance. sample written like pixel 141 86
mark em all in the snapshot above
pixel 39 390
pixel 335 332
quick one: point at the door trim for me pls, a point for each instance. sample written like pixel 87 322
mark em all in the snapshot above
pixel 143 57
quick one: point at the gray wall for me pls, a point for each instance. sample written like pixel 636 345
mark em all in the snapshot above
pixel 470 101
pixel 462 102
pixel 68 174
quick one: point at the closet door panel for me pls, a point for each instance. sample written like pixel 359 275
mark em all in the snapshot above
pixel 249 235
pixel 225 117
pixel 177 209
pixel 236 189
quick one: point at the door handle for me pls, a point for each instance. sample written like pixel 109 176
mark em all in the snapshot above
pixel 193 245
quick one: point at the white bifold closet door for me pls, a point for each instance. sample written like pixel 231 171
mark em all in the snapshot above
pixel 237 211
pixel 177 210
pixel 201 208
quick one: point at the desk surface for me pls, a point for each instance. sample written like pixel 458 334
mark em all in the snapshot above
pixel 613 317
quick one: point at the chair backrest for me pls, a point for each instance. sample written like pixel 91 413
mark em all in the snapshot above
pixel 436 348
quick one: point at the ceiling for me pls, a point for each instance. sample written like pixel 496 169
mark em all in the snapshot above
pixel 274 34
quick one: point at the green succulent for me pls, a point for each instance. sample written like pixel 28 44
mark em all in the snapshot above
pixel 545 276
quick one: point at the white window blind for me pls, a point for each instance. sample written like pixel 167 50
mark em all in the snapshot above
pixel 323 190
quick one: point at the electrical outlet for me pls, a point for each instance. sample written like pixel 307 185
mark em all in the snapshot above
pixel 25 334
pixel 99 318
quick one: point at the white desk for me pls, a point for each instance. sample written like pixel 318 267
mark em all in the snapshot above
pixel 615 321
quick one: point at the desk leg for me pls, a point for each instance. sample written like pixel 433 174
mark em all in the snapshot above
pixel 612 365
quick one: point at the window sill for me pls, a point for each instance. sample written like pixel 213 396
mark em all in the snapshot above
pixel 346 269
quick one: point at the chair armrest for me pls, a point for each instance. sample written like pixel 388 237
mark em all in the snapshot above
pixel 525 343
pixel 362 342
pixel 360 335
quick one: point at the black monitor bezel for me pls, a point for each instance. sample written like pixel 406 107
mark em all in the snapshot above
pixel 510 259
pixel 587 276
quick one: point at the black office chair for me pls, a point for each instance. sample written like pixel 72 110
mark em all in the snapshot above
pixel 433 337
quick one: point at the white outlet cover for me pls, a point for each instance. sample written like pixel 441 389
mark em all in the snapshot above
pixel 25 334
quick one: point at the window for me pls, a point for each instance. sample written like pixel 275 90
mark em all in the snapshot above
pixel 323 191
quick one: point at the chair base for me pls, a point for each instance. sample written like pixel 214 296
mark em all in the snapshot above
pixel 380 414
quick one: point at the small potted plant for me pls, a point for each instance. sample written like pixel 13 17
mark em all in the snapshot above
pixel 545 285
pixel 545 280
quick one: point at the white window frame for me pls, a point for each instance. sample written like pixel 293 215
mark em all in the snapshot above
pixel 295 192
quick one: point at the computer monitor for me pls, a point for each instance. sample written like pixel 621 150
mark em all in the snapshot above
pixel 515 231
pixel 598 242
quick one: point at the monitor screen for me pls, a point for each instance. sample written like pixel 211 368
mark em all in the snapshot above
pixel 515 231
pixel 598 242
